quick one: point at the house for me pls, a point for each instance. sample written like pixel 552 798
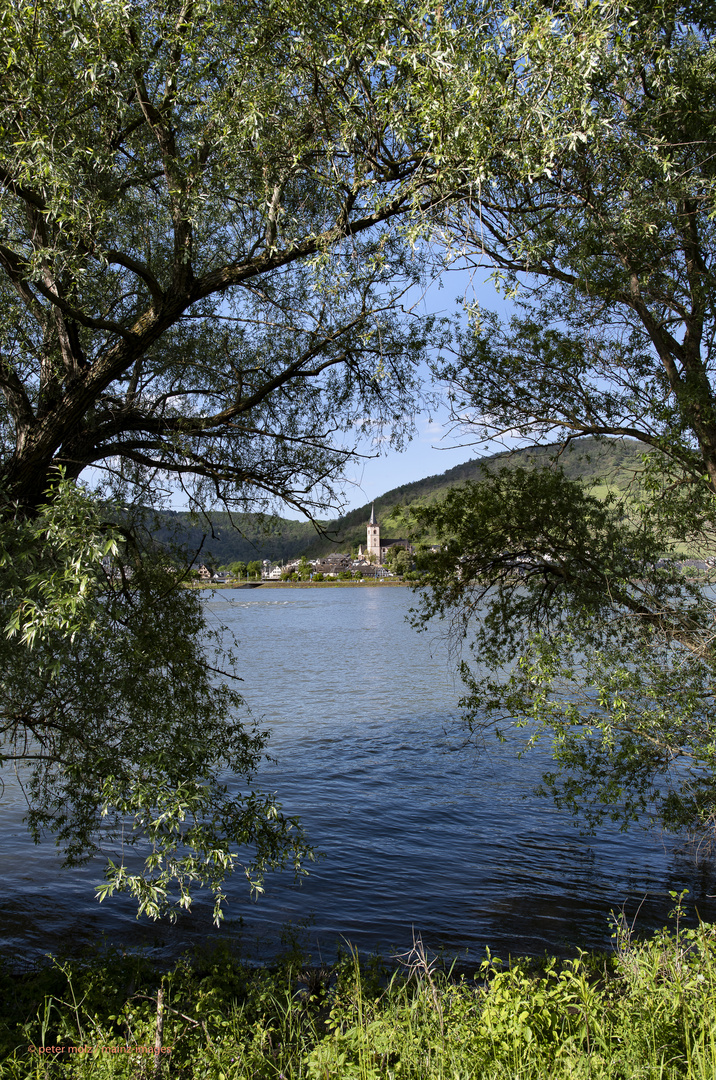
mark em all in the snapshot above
pixel 371 570
pixel 333 563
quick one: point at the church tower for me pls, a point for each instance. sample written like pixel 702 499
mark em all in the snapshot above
pixel 373 542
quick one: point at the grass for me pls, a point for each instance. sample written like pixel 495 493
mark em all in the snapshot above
pixel 648 1011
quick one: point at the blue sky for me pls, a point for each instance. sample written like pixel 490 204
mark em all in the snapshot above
pixel 435 447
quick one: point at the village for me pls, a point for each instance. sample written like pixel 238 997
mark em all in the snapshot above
pixel 380 558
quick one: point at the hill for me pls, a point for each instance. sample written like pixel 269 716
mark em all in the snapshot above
pixel 243 537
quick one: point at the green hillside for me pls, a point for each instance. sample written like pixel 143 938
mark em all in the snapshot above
pixel 243 537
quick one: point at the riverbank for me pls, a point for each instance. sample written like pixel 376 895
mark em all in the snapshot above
pixel 647 1011
pixel 363 583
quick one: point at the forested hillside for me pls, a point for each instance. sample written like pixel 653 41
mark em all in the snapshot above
pixel 222 540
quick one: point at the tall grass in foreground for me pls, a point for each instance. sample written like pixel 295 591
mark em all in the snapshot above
pixel 647 1012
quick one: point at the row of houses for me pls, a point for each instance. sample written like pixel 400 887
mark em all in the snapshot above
pixel 330 566
pixel 333 565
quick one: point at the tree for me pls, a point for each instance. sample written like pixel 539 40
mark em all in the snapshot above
pixel 304 569
pixel 201 274
pixel 399 560
pixel 205 239
pixel 593 201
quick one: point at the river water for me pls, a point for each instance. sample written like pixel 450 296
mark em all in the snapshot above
pixel 418 832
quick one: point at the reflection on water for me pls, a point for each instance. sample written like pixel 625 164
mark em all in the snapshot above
pixel 416 830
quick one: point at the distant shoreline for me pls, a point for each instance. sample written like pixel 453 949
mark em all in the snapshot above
pixel 382 582
pixel 332 584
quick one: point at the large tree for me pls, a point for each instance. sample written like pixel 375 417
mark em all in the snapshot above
pixel 200 269
pixel 593 200
pixel 205 238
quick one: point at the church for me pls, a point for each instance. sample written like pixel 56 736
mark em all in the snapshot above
pixel 375 546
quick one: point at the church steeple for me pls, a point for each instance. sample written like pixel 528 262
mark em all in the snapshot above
pixel 373 537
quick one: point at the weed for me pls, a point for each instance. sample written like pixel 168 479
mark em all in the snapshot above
pixel 646 1013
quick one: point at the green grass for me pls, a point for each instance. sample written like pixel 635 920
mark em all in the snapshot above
pixel 647 1012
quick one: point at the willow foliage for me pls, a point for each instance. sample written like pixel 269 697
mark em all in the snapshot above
pixel 584 628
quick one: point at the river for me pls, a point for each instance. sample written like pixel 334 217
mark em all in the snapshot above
pixel 418 832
